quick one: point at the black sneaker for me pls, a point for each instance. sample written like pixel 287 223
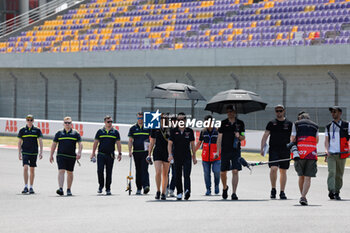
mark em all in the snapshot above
pixel 157 197
pixel 187 195
pixel 31 191
pixel 69 193
pixel 60 192
pixel 273 193
pixel 99 191
pixel 303 201
pixel 108 192
pixel 234 197
pixel 224 193
pixel 25 190
pixel 163 197
pixel 337 197
pixel 283 196
pixel 331 195
pixel 146 190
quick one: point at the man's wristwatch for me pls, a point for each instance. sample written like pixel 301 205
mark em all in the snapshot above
pixel 120 153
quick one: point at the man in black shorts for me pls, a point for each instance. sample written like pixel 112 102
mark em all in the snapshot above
pixel 28 151
pixel 231 133
pixel 66 156
pixel 279 131
pixel 106 138
pixel 305 135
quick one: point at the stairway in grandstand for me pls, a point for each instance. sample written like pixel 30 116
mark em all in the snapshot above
pixel 113 25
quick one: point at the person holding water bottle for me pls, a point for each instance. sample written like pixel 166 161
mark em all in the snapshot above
pixel 231 133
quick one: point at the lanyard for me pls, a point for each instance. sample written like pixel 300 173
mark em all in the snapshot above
pixel 333 135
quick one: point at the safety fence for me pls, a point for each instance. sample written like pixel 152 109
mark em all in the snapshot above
pixel 11 126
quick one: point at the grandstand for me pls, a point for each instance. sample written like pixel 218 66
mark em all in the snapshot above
pixel 113 25
pixel 104 56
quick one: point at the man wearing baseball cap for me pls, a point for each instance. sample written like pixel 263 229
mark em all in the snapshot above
pixel 231 133
pixel 279 130
pixel 29 136
pixel 336 144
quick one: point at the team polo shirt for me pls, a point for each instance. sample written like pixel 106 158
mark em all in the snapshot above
pixel 29 137
pixel 107 139
pixel 67 142
pixel 181 142
pixel 228 134
pixel 280 132
pixel 140 135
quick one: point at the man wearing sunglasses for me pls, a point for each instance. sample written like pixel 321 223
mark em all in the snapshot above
pixel 231 133
pixel 336 143
pixel 138 147
pixel 66 156
pixel 279 131
pixel 28 151
pixel 106 138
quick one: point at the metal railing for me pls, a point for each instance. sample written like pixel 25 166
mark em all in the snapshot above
pixel 30 17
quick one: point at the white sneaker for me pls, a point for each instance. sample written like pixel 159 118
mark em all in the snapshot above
pixel 171 193
pixel 179 197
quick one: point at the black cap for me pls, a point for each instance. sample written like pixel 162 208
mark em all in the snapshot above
pixel 335 108
pixel 230 107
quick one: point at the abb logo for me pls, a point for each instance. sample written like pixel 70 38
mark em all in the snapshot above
pixel 116 127
pixel 11 126
pixel 243 143
pixel 44 126
pixel 79 127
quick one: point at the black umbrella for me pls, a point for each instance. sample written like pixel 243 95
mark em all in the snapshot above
pixel 244 101
pixel 177 91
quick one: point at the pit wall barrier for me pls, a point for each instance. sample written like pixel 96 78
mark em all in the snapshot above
pixel 87 130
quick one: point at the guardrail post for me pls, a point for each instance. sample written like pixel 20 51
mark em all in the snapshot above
pixel 115 95
pixel 79 96
pixel 336 87
pixel 15 81
pixel 46 95
pixel 235 78
pixel 284 83
pixel 147 75
pixel 193 82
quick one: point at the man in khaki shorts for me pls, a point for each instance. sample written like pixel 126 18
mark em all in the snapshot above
pixel 305 135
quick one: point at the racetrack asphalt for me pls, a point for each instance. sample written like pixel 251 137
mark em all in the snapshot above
pixel 86 211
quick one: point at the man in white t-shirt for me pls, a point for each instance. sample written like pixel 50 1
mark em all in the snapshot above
pixel 336 145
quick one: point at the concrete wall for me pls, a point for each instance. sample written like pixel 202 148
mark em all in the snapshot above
pixel 309 87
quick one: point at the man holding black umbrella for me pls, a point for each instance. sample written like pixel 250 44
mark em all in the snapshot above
pixel 231 133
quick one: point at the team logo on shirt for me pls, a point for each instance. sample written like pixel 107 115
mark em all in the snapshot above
pixel 151 120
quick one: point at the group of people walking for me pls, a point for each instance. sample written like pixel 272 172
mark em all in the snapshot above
pixel 175 149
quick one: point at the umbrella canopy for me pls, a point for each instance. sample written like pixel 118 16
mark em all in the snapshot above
pixel 177 91
pixel 244 101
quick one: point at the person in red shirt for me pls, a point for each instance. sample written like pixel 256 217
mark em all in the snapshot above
pixel 210 160
pixel 305 135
